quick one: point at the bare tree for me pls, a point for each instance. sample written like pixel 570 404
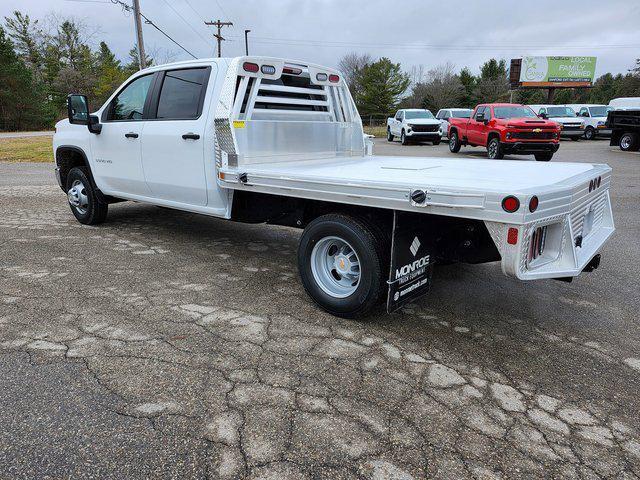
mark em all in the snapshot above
pixel 351 65
pixel 440 87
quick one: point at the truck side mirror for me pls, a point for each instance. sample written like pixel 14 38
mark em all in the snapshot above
pixel 78 113
pixel 480 117
pixel 78 109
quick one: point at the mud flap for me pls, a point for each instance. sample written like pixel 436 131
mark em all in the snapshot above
pixel 411 261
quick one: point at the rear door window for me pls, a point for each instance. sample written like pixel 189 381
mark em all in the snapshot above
pixel 182 93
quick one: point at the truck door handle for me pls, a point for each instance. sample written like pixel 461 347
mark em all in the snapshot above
pixel 131 135
pixel 191 136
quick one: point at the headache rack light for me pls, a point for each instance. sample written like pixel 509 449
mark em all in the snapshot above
pixel 292 70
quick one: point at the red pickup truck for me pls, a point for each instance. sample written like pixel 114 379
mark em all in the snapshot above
pixel 506 128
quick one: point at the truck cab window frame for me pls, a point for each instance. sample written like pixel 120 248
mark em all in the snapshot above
pixel 108 115
pixel 159 112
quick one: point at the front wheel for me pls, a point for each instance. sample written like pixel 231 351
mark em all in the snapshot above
pixel 629 142
pixel 494 149
pixel 342 262
pixel 389 135
pixel 590 133
pixel 454 142
pixel 543 157
pixel 83 200
pixel 403 138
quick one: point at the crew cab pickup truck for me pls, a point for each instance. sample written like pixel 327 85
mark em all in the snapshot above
pixel 414 125
pixel 267 140
pixel 505 128
pixel 572 127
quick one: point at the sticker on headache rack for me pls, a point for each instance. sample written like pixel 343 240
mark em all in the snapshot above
pixel 238 124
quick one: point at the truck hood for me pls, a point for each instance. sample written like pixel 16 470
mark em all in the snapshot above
pixel 564 120
pixel 526 122
pixel 423 121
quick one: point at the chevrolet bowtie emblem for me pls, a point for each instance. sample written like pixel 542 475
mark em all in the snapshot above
pixel 537 130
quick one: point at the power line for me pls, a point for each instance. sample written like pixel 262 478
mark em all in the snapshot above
pixel 218 24
pixel 185 21
pixel 146 20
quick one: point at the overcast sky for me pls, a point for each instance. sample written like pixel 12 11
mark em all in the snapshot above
pixel 412 32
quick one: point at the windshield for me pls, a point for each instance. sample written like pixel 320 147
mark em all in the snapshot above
pixel 554 112
pixel 461 113
pixel 413 114
pixel 513 112
pixel 600 111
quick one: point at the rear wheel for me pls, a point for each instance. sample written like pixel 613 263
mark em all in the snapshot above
pixel 342 263
pixel 403 138
pixel 83 200
pixel 454 142
pixel 494 149
pixel 389 135
pixel 543 157
pixel 590 133
pixel 629 142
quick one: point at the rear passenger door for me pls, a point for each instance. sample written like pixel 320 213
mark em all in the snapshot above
pixel 173 141
pixel 397 124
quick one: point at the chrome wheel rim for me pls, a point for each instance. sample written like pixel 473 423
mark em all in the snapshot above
pixel 453 140
pixel 335 267
pixel 78 198
pixel 493 149
pixel 625 142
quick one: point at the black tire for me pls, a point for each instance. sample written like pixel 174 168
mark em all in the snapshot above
pixel 437 141
pixel 403 138
pixel 575 139
pixel 543 157
pixel 629 142
pixel 494 149
pixel 389 136
pixel 590 133
pixel 95 211
pixel 454 142
pixel 369 245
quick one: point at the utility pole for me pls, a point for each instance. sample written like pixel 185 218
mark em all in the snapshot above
pixel 246 43
pixel 218 35
pixel 137 19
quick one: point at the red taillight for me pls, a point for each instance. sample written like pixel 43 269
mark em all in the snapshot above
pixel 533 204
pixel 512 236
pixel 250 67
pixel 510 204
pixel 334 78
pixel 292 71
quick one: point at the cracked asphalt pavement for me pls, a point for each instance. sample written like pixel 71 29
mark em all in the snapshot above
pixel 169 345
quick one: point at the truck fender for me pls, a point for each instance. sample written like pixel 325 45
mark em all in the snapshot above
pixel 70 156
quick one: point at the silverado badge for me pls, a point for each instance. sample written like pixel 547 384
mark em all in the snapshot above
pixel 537 130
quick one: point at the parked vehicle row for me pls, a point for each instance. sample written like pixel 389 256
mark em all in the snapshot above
pixel 266 140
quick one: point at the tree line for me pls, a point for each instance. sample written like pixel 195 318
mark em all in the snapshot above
pixel 41 62
pixel 379 87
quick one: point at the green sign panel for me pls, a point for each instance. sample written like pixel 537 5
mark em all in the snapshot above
pixel 557 69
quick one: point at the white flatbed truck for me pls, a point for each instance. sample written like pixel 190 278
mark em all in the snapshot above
pixel 267 140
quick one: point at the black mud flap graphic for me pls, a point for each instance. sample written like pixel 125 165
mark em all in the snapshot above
pixel 411 261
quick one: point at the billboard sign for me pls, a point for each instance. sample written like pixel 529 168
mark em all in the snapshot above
pixel 557 71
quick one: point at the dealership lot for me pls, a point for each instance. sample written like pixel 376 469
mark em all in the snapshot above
pixel 168 344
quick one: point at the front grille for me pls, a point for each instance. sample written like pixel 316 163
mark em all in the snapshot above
pixel 425 128
pixel 537 242
pixel 534 135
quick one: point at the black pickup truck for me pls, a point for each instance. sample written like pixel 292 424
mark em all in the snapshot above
pixel 625 129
